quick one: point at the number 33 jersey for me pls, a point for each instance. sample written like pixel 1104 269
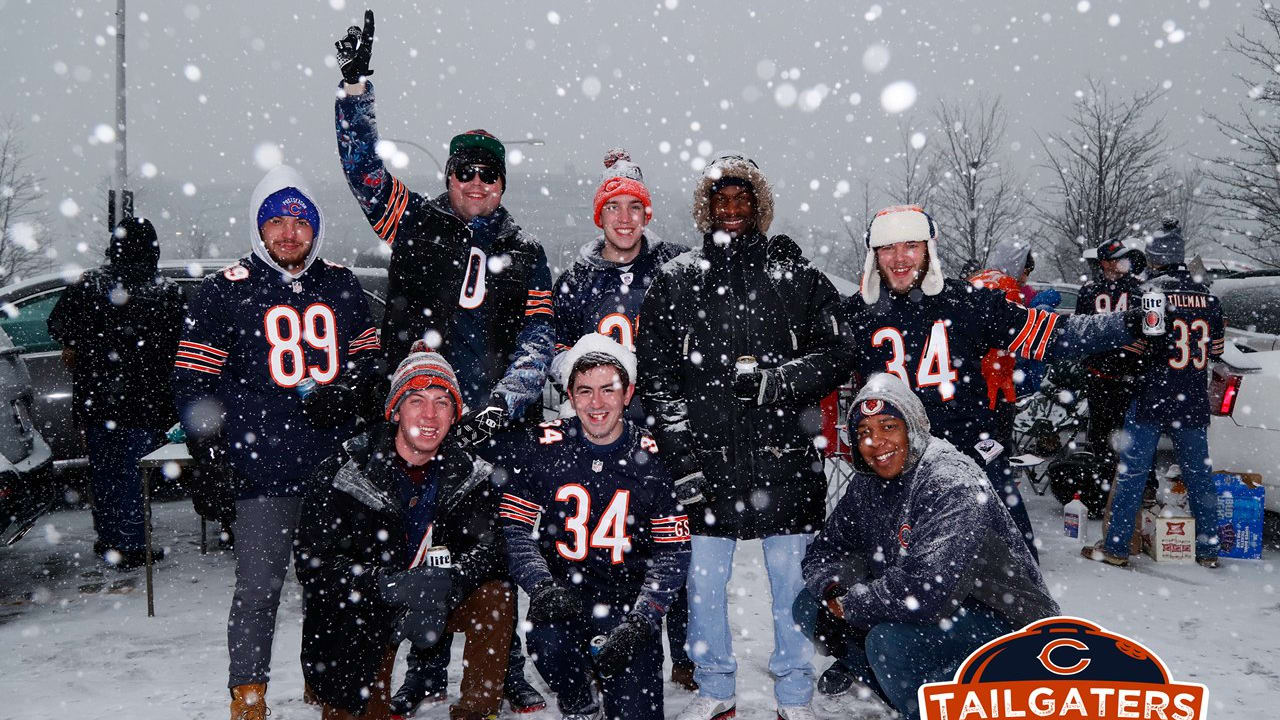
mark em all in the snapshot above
pixel 603 516
pixel 1173 385
pixel 251 336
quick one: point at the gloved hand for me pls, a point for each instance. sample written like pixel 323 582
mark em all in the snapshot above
pixel 762 387
pixel 330 406
pixel 477 426
pixel 833 596
pixel 355 50
pixel 1047 299
pixel 212 494
pixel 620 645
pixel 418 588
pixel 689 488
pixel 549 602
pixel 1133 322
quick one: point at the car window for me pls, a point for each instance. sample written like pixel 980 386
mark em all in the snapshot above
pixel 26 321
pixel 1068 304
pixel 1256 309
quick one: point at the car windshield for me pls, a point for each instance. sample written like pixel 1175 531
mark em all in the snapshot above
pixel 1256 309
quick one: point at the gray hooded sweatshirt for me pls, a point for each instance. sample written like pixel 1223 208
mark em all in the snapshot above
pixel 915 547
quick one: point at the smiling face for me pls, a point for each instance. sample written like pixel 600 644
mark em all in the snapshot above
pixel 288 240
pixel 902 265
pixel 733 210
pixel 599 399
pixel 475 197
pixel 423 418
pixel 883 444
pixel 623 219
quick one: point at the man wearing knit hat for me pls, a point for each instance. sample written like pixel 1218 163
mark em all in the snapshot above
pixel 933 333
pixel 740 444
pixel 399 540
pixel 463 276
pixel 1170 397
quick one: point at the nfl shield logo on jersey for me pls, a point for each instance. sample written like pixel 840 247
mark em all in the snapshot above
pixel 627 278
pixel 597 465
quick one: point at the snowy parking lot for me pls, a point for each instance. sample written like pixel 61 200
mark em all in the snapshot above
pixel 85 648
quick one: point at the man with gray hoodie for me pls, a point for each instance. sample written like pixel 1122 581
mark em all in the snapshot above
pixel 277 353
pixel 916 567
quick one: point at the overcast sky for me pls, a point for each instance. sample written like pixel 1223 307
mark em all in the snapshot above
pixel 214 87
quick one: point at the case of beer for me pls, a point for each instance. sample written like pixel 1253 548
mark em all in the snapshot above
pixel 1168 538
pixel 1241 499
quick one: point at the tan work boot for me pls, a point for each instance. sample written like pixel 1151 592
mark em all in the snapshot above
pixel 249 702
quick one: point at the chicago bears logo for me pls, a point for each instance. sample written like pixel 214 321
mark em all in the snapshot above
pixel 612 184
pixel 1062 667
pixel 904 535
pixel 235 273
pixel 872 407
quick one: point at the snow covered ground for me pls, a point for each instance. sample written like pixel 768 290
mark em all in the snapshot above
pixel 79 645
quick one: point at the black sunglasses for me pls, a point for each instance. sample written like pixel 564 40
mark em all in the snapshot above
pixel 488 175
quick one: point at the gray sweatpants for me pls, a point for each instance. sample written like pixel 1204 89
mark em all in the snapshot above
pixel 264 530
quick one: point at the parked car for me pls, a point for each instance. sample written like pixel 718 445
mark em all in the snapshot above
pixel 24 312
pixel 27 485
pixel 1244 388
pixel 1070 292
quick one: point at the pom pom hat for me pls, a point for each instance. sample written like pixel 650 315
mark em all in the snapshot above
pixel 423 369
pixel 899 224
pixel 621 177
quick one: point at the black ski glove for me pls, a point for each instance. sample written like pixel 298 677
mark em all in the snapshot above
pixel 355 50
pixel 689 488
pixel 477 426
pixel 212 492
pixel 418 587
pixel 1133 322
pixel 762 387
pixel 621 644
pixel 330 406
pixel 549 602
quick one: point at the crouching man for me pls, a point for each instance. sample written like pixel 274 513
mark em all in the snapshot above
pixel 399 541
pixel 919 563
pixel 595 537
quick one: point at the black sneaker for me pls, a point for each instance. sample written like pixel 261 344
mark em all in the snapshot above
pixel 413 694
pixel 132 559
pixel 835 681
pixel 522 697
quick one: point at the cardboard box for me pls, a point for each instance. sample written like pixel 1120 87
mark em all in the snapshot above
pixel 1169 538
pixel 1241 499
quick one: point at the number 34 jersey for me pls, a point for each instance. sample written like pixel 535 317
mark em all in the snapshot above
pixel 251 336
pixel 581 514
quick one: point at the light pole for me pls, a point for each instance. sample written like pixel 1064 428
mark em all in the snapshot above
pixel 119 203
pixel 536 142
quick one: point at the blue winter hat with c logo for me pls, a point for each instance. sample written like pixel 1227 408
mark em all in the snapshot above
pixel 289 202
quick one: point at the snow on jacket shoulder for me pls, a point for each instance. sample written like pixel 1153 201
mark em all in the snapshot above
pixel 757 296
pixel 913 548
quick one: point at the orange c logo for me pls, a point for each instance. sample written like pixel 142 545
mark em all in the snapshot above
pixel 1056 669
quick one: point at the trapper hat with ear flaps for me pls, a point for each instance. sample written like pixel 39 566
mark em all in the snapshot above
pixel 899 224
pixel 723 170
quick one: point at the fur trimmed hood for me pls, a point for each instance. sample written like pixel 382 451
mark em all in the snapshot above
pixel 732 166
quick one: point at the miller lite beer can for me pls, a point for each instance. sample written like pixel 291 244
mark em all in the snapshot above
pixel 1153 312
pixel 746 364
pixel 438 556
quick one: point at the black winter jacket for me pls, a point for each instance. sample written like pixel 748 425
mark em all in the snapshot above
pixel 123 321
pixel 352 522
pixel 757 296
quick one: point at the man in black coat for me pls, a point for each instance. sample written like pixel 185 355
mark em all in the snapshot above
pixel 740 444
pixel 399 541
pixel 119 327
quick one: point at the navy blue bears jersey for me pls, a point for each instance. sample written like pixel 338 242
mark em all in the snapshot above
pixel 596 295
pixel 1174 384
pixel 582 514
pixel 251 337
pixel 1105 296
pixel 936 343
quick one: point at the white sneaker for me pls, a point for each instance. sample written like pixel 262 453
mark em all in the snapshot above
pixel 705 708
pixel 796 712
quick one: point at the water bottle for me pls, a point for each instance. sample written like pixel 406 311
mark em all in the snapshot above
pixel 1075 520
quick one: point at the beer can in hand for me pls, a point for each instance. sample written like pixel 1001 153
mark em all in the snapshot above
pixel 597 642
pixel 438 557
pixel 746 364
pixel 1153 312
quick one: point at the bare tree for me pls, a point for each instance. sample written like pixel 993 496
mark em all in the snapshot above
pixel 915 176
pixel 1109 175
pixel 21 254
pixel 977 199
pixel 1189 200
pixel 1246 189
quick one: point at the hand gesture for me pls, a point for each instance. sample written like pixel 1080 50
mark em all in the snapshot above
pixel 355 50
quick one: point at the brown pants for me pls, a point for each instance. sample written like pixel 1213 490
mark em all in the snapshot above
pixel 379 707
pixel 485 617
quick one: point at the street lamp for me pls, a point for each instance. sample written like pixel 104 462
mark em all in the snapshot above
pixel 536 142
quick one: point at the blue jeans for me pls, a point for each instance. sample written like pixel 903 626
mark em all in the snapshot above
pixel 710 639
pixel 1006 485
pixel 896 658
pixel 1192 445
pixel 117 484
pixel 561 653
